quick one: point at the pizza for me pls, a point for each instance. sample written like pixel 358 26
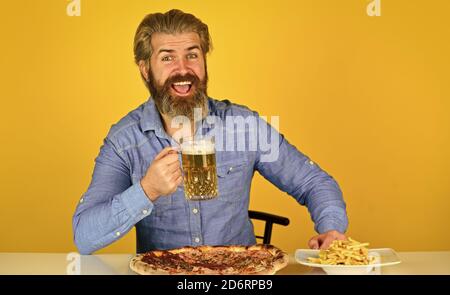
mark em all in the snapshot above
pixel 210 260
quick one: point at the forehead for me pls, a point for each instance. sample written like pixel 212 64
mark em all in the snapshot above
pixel 179 41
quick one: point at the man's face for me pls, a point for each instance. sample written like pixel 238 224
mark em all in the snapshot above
pixel 177 78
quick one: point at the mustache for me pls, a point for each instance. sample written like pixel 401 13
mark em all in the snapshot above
pixel 180 78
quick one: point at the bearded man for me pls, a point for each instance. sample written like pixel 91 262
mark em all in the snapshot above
pixel 137 179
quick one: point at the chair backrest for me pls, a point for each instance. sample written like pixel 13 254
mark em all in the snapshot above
pixel 269 219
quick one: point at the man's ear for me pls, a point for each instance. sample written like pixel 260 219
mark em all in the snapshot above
pixel 144 69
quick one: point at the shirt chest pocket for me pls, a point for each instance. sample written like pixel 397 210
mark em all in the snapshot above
pixel 231 180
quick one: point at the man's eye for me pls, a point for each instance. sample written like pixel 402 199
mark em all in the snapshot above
pixel 166 58
pixel 192 55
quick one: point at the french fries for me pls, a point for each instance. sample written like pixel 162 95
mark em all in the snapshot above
pixel 349 252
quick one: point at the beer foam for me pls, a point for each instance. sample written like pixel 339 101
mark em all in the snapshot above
pixel 200 147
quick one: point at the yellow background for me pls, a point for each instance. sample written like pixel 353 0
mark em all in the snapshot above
pixel 365 97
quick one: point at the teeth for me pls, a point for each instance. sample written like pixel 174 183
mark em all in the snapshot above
pixel 182 83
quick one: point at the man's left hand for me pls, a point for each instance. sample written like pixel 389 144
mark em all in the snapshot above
pixel 323 241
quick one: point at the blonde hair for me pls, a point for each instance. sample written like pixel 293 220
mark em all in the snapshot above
pixel 172 22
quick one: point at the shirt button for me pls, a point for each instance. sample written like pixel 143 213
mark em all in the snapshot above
pixel 118 233
pixel 145 211
pixel 195 210
pixel 197 240
pixel 311 163
pixel 81 200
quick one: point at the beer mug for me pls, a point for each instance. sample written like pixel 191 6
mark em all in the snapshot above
pixel 199 169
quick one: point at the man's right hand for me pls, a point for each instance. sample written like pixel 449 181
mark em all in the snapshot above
pixel 164 174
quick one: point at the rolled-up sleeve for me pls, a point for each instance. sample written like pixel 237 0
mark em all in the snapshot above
pixel 111 205
pixel 296 174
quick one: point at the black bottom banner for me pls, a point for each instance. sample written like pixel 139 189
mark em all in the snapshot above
pixel 223 284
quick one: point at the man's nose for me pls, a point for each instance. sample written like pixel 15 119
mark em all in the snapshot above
pixel 182 66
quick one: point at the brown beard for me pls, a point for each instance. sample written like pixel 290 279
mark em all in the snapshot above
pixel 173 106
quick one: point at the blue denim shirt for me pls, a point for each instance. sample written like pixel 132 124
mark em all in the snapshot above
pixel 115 201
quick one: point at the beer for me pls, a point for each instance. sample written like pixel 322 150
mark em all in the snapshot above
pixel 199 169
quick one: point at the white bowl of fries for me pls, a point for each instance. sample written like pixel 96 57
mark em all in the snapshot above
pixel 348 258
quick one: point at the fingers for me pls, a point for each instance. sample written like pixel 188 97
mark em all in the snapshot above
pixel 323 241
pixel 174 176
pixel 162 153
pixel 173 167
pixel 179 180
pixel 168 159
pixel 327 242
pixel 165 151
pixel 176 182
pixel 174 150
pixel 314 243
pixel 341 237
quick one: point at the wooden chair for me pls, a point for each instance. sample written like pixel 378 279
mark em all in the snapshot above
pixel 269 219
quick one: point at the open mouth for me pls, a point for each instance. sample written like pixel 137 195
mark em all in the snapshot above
pixel 182 88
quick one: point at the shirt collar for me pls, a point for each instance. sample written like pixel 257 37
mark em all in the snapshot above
pixel 150 120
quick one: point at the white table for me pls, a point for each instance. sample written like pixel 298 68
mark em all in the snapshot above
pixel 58 263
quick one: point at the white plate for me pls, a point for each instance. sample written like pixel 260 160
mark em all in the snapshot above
pixel 383 257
